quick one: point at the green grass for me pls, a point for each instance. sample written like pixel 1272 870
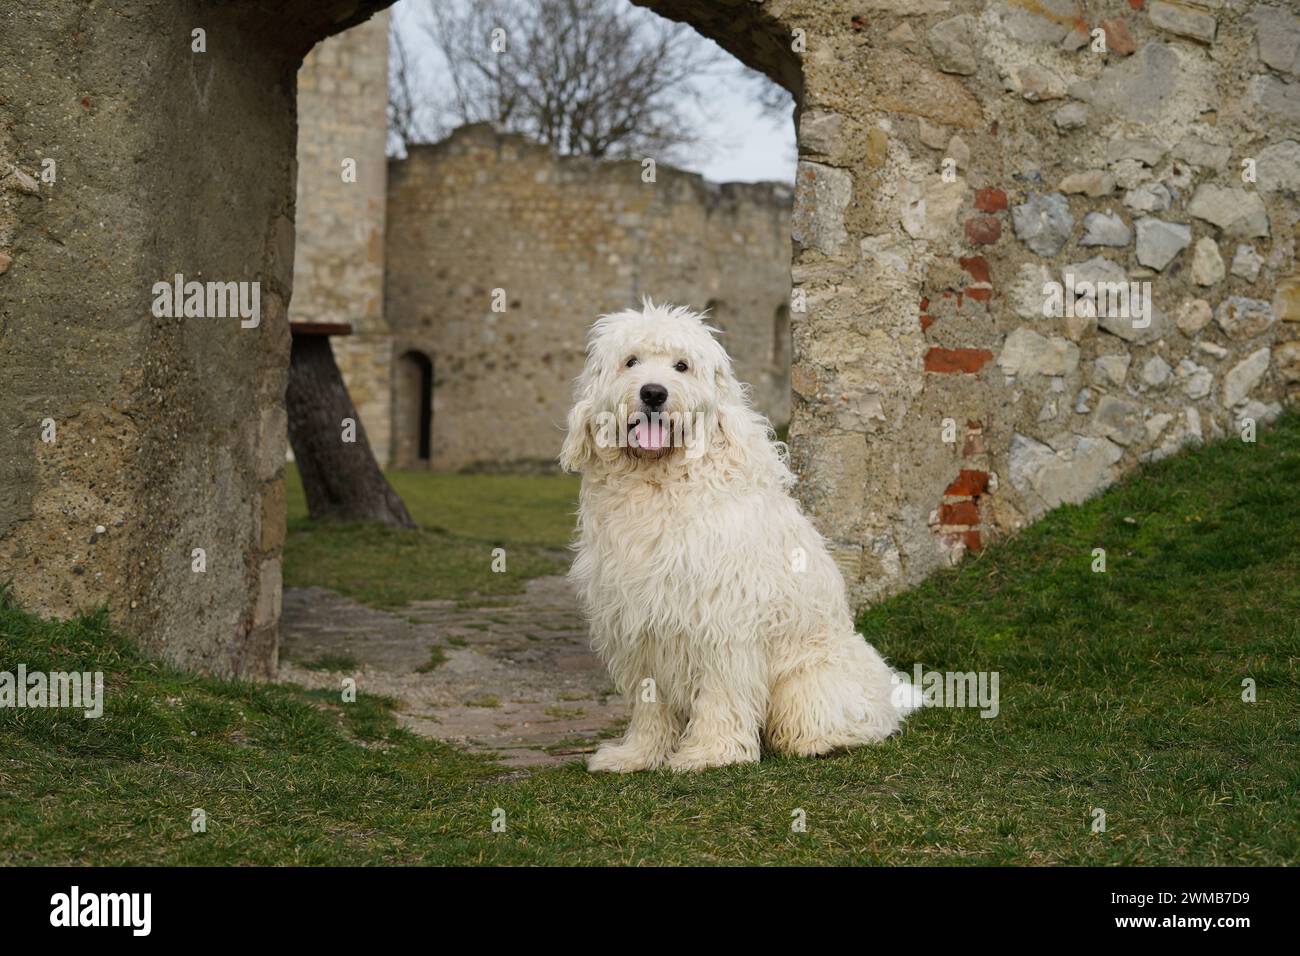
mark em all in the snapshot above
pixel 462 520
pixel 332 662
pixel 1119 691
pixel 437 657
pixel 565 713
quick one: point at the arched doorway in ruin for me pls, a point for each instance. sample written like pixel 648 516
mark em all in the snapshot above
pixel 413 410
pixel 509 336
pixel 498 337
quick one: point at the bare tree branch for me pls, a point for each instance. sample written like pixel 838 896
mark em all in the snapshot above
pixel 401 97
pixel 587 77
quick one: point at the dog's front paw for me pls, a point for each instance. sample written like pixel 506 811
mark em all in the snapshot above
pixel 622 758
pixel 699 758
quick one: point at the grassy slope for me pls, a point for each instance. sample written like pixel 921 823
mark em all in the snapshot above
pixel 462 518
pixel 1119 691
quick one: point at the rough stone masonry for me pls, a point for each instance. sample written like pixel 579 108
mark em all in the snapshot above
pixel 957 158
pixel 964 164
pixel 410 253
pixel 564 239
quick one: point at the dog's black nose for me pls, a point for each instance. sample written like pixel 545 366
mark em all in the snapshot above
pixel 653 395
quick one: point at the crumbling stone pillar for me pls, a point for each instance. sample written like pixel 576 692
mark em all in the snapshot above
pixel 133 149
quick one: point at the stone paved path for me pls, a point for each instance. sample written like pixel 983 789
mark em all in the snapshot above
pixel 519 678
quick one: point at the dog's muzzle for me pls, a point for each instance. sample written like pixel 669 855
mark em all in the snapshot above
pixel 650 433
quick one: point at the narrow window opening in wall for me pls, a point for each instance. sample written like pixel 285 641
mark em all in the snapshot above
pixel 781 338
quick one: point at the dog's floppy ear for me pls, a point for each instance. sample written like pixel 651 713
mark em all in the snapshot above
pixel 578 448
pixel 733 413
pixel 744 441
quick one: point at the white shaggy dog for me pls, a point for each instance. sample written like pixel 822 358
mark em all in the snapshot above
pixel 711 598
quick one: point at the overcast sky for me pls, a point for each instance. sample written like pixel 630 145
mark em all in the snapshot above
pixel 741 142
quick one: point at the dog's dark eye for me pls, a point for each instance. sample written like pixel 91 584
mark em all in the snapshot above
pixel 630 362
pixel 681 366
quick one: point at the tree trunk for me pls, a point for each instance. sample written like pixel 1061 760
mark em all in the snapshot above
pixel 341 478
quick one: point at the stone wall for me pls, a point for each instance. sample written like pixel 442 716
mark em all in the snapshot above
pixel 565 239
pixel 936 407
pixel 338 273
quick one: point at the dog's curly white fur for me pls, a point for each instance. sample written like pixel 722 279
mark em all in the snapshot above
pixel 710 596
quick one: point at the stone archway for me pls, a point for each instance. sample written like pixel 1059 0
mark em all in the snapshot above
pixel 941 181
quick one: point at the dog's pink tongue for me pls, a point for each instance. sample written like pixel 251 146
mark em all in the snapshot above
pixel 650 435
